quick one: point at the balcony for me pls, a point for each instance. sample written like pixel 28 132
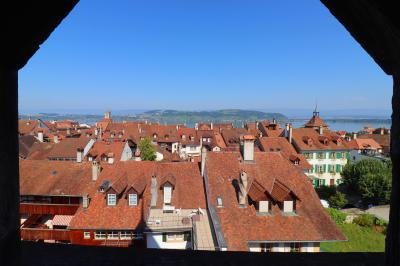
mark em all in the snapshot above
pixel 35 234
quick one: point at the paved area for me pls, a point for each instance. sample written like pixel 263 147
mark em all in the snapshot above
pixel 380 211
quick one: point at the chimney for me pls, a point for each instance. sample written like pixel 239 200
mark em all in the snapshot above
pixel 273 121
pixel 68 131
pixel 321 130
pixel 290 135
pixel 243 186
pixel 248 147
pixel 85 201
pixel 55 139
pixel 96 132
pixel 287 125
pixel 196 126
pixel 107 115
pixel 354 135
pixel 177 127
pixel 203 160
pixel 211 126
pixel 153 191
pixel 95 170
pixel 382 131
pixel 40 136
pixel 79 155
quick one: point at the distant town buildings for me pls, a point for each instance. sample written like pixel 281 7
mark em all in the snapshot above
pixel 212 187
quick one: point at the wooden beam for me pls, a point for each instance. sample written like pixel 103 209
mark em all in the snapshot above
pixel 9 170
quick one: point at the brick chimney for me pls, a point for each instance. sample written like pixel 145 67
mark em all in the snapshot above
pixel 354 135
pixel 55 139
pixel 79 155
pixel 382 131
pixel 96 169
pixel 243 185
pixel 248 147
pixel 203 159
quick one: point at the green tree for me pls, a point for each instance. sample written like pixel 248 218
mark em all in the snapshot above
pixel 371 179
pixel 338 200
pixel 147 150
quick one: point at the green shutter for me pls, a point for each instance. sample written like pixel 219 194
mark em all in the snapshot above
pixel 329 168
pixel 164 237
pixel 324 168
pixel 330 155
pixel 323 182
pixel 316 183
pixel 348 155
pixel 338 155
pixel 338 168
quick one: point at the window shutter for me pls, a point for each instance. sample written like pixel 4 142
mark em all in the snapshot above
pixel 339 155
pixel 330 155
pixel 338 168
pixel 329 168
pixel 316 183
pixel 323 182
pixel 164 237
pixel 348 155
pixel 324 168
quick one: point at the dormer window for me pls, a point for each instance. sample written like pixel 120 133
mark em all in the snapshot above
pixel 191 138
pixel 183 137
pixel 132 199
pixel 154 136
pixel 288 206
pixel 111 199
pixel 167 193
pixel 263 206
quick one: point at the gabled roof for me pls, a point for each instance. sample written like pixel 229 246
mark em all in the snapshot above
pixel 306 139
pixel 42 177
pixel 240 225
pixel 67 147
pixel 282 145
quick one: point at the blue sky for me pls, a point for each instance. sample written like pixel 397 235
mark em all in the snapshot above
pixel 200 55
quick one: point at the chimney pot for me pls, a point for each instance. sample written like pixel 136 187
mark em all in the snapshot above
pixel 79 155
pixel 203 159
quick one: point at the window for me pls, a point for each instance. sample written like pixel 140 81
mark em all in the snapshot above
pixel 125 235
pixel 167 194
pixel 86 235
pixel 295 247
pixel 263 206
pixel 219 201
pixel 111 199
pixel 175 237
pixel 192 148
pixel 100 235
pixel 132 199
pixel 320 168
pixel 321 155
pixel 288 206
pixel 113 235
pixel 266 247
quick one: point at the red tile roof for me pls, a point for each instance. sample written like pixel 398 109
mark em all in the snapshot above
pixel 104 148
pixel 42 177
pixel 240 225
pixel 282 145
pixel 309 139
pixel 67 147
pixel 188 193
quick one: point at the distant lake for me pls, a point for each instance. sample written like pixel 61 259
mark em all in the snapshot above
pixel 349 125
